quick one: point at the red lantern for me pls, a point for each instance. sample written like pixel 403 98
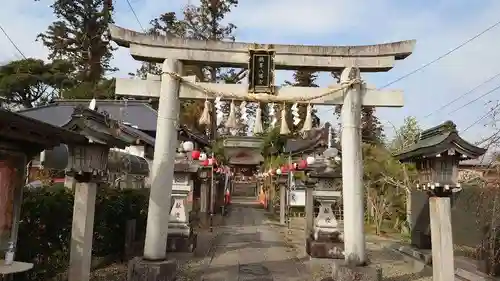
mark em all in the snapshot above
pixel 195 154
pixel 302 164
pixel 204 162
pixel 284 169
pixel 292 167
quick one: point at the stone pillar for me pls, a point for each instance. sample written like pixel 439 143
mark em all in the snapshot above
pixel 442 243
pixel 82 231
pixel 204 195
pixel 162 171
pixel 282 204
pixel 309 208
pixel 213 194
pixel 352 170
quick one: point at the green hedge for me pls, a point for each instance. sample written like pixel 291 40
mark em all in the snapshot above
pixel 45 228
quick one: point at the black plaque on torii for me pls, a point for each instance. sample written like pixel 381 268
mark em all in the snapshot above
pixel 261 71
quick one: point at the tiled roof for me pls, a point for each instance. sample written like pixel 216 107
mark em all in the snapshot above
pixel 58 113
pixel 437 140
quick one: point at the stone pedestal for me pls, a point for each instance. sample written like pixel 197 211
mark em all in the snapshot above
pixel 82 231
pixel 180 233
pixel 345 272
pixel 144 270
pixel 327 239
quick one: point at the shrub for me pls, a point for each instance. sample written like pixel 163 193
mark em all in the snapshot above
pixel 45 228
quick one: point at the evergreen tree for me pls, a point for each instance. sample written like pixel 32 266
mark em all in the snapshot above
pixel 79 35
pixel 31 82
pixel 372 130
pixel 201 22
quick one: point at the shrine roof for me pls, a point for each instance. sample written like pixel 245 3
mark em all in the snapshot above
pixel 200 138
pixel 437 140
pixel 138 134
pixel 316 139
pixel 34 133
pixel 136 113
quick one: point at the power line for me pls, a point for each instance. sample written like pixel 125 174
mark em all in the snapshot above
pixel 443 55
pixel 12 41
pixel 462 96
pixel 476 99
pixel 135 15
pixel 482 117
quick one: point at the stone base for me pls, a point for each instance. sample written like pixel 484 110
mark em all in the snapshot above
pixel 341 271
pixel 144 270
pixel 324 249
pixel 181 243
pixel 422 255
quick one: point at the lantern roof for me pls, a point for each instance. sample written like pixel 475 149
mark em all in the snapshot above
pixel 437 140
pixel 97 127
pixel 185 133
pixel 315 140
pixel 326 173
pixel 186 166
pixel 122 162
pixel 34 135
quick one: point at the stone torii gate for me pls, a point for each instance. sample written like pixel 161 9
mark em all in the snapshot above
pixel 178 55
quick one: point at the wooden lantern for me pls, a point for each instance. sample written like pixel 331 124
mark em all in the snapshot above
pixel 437 154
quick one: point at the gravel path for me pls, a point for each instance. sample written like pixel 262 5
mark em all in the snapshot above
pixel 252 247
pixel 394 267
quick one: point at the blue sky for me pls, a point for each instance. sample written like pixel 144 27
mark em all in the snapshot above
pixel 437 25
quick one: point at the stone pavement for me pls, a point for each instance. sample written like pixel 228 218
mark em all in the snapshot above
pixel 249 249
pixel 394 266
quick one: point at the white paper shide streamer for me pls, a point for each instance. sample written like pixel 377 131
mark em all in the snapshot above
pixel 272 115
pixel 243 112
pixel 284 130
pixel 295 114
pixel 218 111
pixel 257 126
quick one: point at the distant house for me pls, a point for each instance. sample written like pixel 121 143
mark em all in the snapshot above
pixel 480 168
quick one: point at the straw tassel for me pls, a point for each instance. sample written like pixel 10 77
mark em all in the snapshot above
pixel 308 124
pixel 257 127
pixel 284 125
pixel 205 115
pixel 231 122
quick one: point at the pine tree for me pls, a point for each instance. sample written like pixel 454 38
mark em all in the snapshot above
pixel 79 35
pixel 372 130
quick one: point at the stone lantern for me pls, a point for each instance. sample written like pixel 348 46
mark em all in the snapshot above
pixel 325 239
pixel 204 174
pixel 181 236
pixel 21 139
pixel 437 154
pixel 325 236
